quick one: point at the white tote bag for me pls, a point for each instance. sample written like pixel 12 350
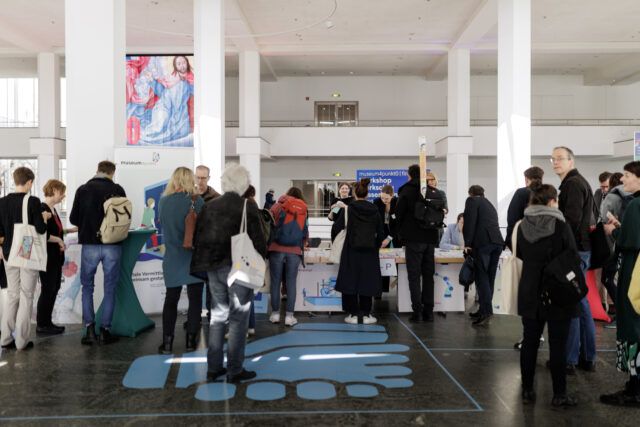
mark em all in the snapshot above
pixel 338 242
pixel 510 276
pixel 248 266
pixel 28 247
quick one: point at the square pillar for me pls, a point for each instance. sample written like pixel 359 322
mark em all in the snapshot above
pixel 456 149
pixel 251 150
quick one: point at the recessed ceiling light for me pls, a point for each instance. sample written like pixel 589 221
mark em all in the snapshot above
pixel 322 72
pixel 351 72
pixel 336 95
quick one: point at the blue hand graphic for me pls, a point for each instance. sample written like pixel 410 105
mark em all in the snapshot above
pixel 355 355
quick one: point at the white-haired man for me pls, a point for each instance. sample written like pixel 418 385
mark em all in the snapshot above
pixel 217 222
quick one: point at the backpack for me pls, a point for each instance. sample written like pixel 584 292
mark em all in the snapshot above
pixel 117 220
pixel 266 223
pixel 429 211
pixel 291 224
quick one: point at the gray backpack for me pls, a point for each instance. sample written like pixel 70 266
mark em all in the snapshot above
pixel 117 220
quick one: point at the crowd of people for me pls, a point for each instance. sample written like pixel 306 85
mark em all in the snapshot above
pixel 544 223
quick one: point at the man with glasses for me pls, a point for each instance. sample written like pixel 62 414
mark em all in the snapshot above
pixel 577 205
pixel 202 184
pixel 601 192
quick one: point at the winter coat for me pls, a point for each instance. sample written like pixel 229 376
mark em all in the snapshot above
pixel 338 216
pixel 173 209
pixel 515 213
pixel 390 229
pixel 88 207
pixel 541 237
pixel 480 223
pixel 218 221
pixel 628 243
pixel 408 227
pixel 210 194
pixel 577 206
pixel 613 202
pixel 359 271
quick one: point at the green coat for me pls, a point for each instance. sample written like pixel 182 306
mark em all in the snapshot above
pixel 176 263
pixel 628 243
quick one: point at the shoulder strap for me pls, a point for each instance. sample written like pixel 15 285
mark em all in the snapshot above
pixel 243 223
pixel 25 209
pixel 346 216
pixel 514 237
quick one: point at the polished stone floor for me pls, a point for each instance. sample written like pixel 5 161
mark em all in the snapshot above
pixel 322 372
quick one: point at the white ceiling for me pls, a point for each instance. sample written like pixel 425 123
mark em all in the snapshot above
pixel 595 38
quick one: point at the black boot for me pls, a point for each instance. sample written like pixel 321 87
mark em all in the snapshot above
pixel 415 317
pixel 192 342
pixel 90 336
pixel 167 345
pixel 106 337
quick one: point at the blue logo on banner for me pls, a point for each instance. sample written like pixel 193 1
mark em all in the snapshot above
pixel 381 177
pixel 313 356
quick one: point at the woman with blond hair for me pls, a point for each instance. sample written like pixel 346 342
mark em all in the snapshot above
pixel 177 201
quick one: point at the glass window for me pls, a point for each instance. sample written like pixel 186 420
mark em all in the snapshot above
pixel 7 166
pixel 18 102
pixel 63 102
pixel 336 114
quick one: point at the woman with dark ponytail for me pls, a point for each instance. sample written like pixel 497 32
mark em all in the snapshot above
pixel 542 236
pixel 359 278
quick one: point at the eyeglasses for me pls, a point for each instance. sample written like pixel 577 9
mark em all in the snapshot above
pixel 558 159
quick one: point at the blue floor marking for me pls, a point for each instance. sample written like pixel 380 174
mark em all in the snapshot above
pixel 316 390
pixel 216 392
pixel 338 327
pixel 361 390
pixel 148 372
pixel 435 359
pixel 266 391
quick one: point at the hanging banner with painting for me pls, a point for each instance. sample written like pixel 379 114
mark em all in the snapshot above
pixel 159 96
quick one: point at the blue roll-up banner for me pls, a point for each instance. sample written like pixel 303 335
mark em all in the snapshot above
pixel 381 177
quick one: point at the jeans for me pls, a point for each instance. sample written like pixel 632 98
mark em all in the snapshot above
pixel 231 303
pixel 581 343
pixel 558 332
pixel 292 262
pixel 252 315
pixel 420 264
pixel 91 256
pixel 170 309
pixel 486 264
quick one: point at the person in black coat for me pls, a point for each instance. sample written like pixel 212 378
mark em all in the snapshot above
pixel 542 236
pixel 359 278
pixel 520 200
pixel 420 243
pixel 337 207
pixel 386 205
pixel 484 241
pixel 50 280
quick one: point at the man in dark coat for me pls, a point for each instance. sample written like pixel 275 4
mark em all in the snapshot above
pixel 420 243
pixel 520 201
pixel 218 221
pixel 484 241
pixel 202 185
pixel 577 205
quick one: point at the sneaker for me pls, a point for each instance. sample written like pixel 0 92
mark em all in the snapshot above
pixel 10 346
pixel 563 401
pixel 621 398
pixel 483 320
pixel 50 330
pixel 212 376
pixel 415 317
pixel 368 320
pixel 352 320
pixel 251 331
pixel 428 316
pixel 289 320
pixel 244 375
pixel 106 337
pixel 518 345
pixel 274 318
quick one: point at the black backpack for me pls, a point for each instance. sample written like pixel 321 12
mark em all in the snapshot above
pixel 429 211
pixel 564 284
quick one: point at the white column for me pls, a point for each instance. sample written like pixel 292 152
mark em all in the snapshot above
pixel 248 142
pixel 458 144
pixel 208 37
pixel 48 146
pixel 95 70
pixel 514 99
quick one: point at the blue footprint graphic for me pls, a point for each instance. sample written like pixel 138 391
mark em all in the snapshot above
pixel 312 356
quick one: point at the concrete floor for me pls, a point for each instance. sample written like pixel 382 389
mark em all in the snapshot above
pixel 441 373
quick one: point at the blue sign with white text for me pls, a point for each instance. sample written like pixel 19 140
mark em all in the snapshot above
pixel 381 177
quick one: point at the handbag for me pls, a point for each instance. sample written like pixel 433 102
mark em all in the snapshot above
pixel 510 275
pixel 467 273
pixel 634 287
pixel 338 242
pixel 564 283
pixel 190 224
pixel 28 247
pixel 247 265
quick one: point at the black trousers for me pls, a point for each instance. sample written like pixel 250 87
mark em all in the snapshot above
pixel 420 264
pixel 170 309
pixel 486 264
pixel 609 270
pixel 558 334
pixel 49 285
pixel 357 305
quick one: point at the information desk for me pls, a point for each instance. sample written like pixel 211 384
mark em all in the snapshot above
pixel 128 317
pixel 316 282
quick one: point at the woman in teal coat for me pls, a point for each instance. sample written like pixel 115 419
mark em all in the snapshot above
pixel 627 236
pixel 177 200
